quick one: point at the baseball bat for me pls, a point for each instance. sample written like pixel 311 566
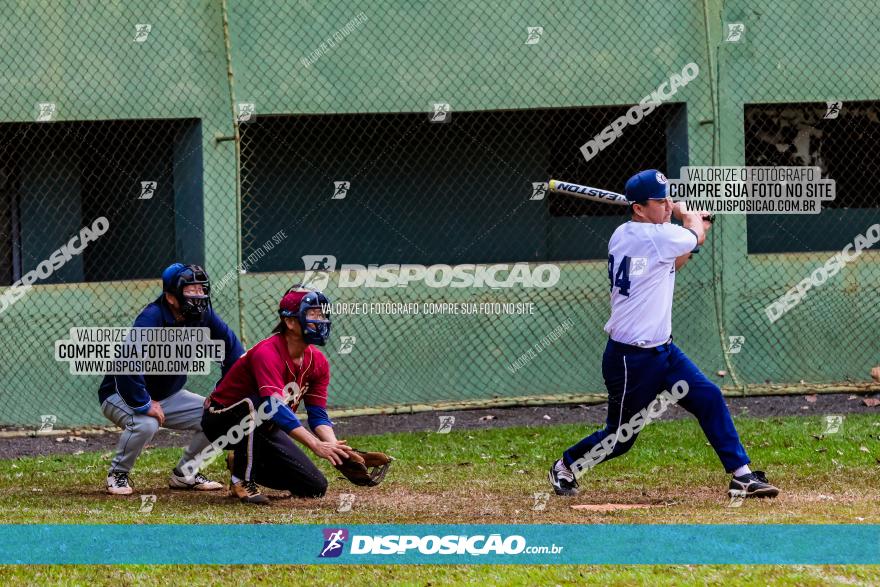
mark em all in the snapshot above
pixel 585 192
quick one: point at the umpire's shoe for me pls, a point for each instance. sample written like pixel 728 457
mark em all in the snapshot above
pixel 752 484
pixel 118 483
pixel 562 479
pixel 197 482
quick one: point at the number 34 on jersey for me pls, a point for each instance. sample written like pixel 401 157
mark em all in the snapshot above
pixel 627 266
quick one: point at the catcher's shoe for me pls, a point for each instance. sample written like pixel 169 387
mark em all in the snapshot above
pixel 753 484
pixel 197 482
pixel 248 492
pixel 562 479
pixel 118 483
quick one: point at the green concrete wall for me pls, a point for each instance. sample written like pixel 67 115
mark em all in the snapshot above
pixel 403 57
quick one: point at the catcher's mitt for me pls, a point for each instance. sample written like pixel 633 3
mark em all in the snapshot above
pixel 365 468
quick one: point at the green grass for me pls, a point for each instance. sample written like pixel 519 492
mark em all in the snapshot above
pixel 372 575
pixel 489 476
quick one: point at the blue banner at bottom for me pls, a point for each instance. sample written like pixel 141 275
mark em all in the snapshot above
pixel 439 544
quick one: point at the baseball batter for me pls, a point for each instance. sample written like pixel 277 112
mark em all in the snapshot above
pixel 640 359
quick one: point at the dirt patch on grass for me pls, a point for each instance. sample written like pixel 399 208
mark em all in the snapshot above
pixel 611 507
pixel 479 501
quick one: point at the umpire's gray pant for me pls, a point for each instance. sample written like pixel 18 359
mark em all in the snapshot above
pixel 183 411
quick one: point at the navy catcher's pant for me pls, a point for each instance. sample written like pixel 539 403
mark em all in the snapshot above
pixel 268 456
pixel 635 377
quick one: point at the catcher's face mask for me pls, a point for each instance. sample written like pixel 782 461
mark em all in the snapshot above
pixel 194 301
pixel 312 311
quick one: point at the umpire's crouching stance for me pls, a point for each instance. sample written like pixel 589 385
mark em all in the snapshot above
pixel 248 412
pixel 140 404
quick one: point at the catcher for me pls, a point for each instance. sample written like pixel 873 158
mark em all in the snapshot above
pixel 265 386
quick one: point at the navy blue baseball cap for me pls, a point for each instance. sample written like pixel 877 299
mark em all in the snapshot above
pixel 649 184
pixel 170 275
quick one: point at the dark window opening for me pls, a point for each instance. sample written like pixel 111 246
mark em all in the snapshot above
pixel 843 146
pixel 455 192
pixel 143 176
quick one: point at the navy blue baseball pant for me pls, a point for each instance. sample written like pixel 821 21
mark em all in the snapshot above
pixel 635 376
pixel 268 456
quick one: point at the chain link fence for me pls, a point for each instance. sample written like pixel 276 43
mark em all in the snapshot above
pixel 809 99
pixel 396 156
pixel 109 111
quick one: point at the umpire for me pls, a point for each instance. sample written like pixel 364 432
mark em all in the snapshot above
pixel 140 404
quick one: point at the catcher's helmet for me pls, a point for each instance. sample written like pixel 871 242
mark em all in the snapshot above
pixel 297 302
pixel 178 276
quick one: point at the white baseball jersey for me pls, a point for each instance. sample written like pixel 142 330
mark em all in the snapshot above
pixel 641 267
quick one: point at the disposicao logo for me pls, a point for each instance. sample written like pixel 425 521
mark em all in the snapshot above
pixel 334 542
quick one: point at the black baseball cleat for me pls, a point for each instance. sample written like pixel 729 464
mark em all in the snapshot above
pixel 562 479
pixel 752 484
